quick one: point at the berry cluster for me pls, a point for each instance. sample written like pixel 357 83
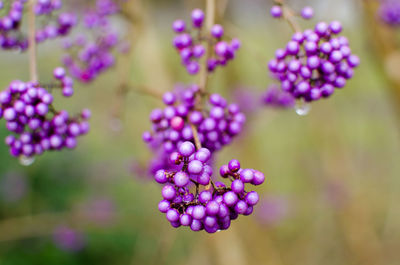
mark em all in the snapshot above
pixel 52 25
pixel 46 7
pixel 213 208
pixel 191 198
pixel 65 82
pixel 59 28
pixel 216 124
pixel 38 127
pixel 314 62
pixel 10 35
pixel 191 44
pixel 94 57
pixel 275 97
pixel 389 12
pixel 87 58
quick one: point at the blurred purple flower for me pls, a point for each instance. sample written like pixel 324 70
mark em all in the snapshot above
pixel 124 47
pixel 389 12
pixel 247 99
pixel 139 171
pixel 91 19
pixel 13 187
pixel 68 239
pixel 336 193
pixel 106 7
pixel 273 209
pixel 101 211
pixel 275 97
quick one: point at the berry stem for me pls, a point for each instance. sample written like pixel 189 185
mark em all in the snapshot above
pixel 210 20
pixel 198 147
pixel 140 89
pixel 197 185
pixel 32 43
pixel 288 15
pixel 52 109
pixel 195 136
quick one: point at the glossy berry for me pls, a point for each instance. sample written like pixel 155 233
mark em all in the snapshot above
pixel 276 11
pixel 307 12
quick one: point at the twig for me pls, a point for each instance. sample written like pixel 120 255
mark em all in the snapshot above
pixel 32 43
pixel 210 20
pixel 144 90
pixel 195 136
pixel 256 52
pixel 288 15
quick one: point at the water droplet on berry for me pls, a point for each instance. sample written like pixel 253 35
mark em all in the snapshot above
pixel 26 161
pixel 302 108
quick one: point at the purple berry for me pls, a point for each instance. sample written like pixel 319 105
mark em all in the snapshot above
pixel 276 11
pixel 307 12
pixel 181 179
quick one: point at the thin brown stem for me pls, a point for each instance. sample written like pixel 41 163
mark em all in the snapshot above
pixel 198 146
pixel 195 136
pixel 213 185
pixel 288 15
pixel 141 89
pixel 194 182
pixel 197 185
pixel 210 20
pixel 32 43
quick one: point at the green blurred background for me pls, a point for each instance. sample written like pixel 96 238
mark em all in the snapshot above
pixel 333 176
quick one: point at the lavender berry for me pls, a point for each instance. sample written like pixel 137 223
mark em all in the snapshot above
pixel 307 12
pixel 276 11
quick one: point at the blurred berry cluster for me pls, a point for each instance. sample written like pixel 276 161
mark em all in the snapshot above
pixel 389 12
pixel 191 43
pixel 53 24
pixel 11 36
pixel 275 97
pixel 87 57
